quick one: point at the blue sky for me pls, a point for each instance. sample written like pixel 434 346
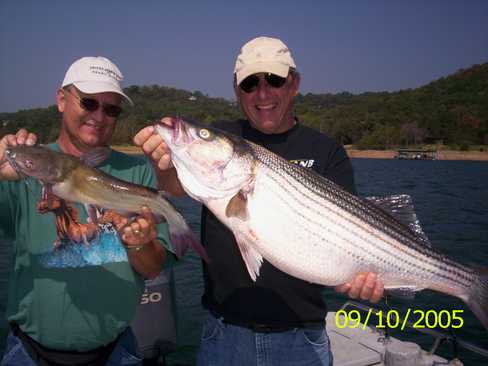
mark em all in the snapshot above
pixel 355 46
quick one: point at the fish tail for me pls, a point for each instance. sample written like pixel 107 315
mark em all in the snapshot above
pixel 180 234
pixel 182 237
pixel 478 296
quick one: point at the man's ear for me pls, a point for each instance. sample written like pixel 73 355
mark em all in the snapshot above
pixel 296 83
pixel 61 99
pixel 237 92
pixel 236 87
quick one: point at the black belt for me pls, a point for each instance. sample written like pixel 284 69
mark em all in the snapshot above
pixel 46 356
pixel 270 328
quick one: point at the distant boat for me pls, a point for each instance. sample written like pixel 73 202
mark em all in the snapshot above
pixel 416 154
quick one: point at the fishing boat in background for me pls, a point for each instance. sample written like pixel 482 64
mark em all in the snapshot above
pixel 416 154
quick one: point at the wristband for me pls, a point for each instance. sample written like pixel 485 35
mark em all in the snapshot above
pixel 134 248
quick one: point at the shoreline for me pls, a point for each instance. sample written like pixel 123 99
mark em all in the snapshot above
pixel 365 154
pixel 441 154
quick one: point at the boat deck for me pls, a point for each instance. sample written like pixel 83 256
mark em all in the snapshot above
pixel 366 346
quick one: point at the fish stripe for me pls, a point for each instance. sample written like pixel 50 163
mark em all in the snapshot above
pixel 400 238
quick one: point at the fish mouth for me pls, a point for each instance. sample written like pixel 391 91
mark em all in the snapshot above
pixel 177 132
pixel 11 156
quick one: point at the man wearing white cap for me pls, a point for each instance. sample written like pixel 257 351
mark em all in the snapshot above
pixel 71 302
pixel 278 320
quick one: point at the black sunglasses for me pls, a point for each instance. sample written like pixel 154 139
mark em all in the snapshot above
pixel 92 105
pixel 250 84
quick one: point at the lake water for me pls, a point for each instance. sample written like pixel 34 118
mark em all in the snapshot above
pixel 451 201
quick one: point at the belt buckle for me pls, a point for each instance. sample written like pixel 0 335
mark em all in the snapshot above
pixel 261 328
pixel 265 328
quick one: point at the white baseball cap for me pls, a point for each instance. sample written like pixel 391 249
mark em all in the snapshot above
pixel 263 54
pixel 95 75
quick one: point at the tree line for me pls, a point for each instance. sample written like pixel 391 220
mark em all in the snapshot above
pixel 452 111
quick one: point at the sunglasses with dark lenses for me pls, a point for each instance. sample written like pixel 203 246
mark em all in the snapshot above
pixel 250 84
pixel 92 105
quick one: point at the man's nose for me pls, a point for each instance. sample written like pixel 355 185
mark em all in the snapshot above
pixel 262 88
pixel 99 113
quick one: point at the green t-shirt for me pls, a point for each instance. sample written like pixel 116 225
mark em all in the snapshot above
pixel 78 296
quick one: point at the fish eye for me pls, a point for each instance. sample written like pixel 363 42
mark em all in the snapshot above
pixel 204 133
pixel 29 164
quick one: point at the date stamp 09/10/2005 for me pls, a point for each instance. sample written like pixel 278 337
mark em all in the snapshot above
pixel 392 319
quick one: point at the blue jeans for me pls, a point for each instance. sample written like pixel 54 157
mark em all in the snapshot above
pixel 229 345
pixel 125 352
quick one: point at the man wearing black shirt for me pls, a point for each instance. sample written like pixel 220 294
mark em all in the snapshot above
pixel 279 319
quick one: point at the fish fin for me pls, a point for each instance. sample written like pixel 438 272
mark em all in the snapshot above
pixel 400 206
pixel 478 296
pixel 403 292
pixel 48 195
pixel 96 156
pixel 237 206
pixel 181 235
pixel 47 192
pixel 251 257
pixel 165 194
pixel 182 241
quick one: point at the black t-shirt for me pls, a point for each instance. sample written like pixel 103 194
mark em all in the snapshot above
pixel 275 297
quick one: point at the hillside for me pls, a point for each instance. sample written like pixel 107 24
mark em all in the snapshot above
pixel 452 110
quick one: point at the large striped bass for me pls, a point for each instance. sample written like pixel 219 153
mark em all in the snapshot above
pixel 77 180
pixel 304 224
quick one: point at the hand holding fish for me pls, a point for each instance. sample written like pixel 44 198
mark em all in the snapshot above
pixel 135 233
pixel 22 137
pixel 366 286
pixel 158 152
pixel 140 238
pixel 154 146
